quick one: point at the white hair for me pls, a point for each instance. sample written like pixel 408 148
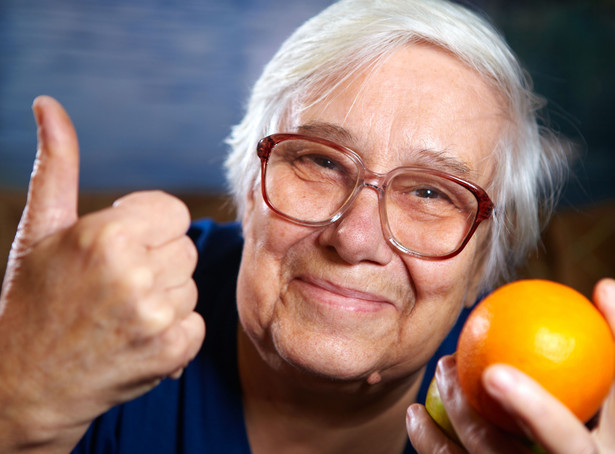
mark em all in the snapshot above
pixel 352 35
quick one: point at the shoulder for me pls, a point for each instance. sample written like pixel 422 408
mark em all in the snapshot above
pixel 219 247
pixel 214 238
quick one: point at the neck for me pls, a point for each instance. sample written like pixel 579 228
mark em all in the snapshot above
pixel 288 410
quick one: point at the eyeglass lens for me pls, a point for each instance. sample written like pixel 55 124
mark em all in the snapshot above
pixel 425 214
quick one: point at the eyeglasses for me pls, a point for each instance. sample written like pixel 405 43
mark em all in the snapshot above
pixel 423 212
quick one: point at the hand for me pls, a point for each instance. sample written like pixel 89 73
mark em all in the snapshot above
pixel 544 419
pixel 94 311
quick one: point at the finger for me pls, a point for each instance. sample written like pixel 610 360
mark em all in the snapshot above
pixel 177 346
pixel 182 298
pixel 425 435
pixel 177 374
pixel 547 421
pixel 159 217
pixel 193 329
pixel 604 297
pixel 161 310
pixel 176 261
pixel 605 432
pixel 53 191
pixel 476 434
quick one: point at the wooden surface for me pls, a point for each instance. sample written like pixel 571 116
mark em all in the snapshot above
pixel 578 246
pixel 11 206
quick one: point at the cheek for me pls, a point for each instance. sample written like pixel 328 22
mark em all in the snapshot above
pixel 463 274
pixel 443 282
pixel 441 290
pixel 267 243
pixel 265 232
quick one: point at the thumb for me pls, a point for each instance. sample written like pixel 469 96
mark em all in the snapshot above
pixel 604 297
pixel 54 184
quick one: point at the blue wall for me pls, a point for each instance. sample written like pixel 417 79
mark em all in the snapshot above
pixel 154 86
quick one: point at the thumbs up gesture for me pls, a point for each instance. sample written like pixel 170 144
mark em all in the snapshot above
pixel 94 311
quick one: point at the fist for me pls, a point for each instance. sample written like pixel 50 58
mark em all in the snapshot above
pixel 94 311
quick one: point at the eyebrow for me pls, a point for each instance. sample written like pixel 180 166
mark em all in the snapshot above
pixel 424 157
pixel 328 131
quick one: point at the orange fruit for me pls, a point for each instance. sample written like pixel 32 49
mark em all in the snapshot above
pixel 547 330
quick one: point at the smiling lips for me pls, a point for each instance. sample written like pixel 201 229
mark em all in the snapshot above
pixel 342 297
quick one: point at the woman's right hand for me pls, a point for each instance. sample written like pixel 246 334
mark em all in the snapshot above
pixel 94 311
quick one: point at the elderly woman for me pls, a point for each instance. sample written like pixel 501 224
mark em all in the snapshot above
pixel 388 171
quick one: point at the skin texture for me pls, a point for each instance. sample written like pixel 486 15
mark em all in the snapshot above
pixel 545 420
pixel 338 302
pixel 94 310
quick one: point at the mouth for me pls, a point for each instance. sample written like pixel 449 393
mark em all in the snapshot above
pixel 342 297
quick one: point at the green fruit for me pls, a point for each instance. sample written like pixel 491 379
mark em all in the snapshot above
pixel 435 408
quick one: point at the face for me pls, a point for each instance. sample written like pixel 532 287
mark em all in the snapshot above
pixel 339 301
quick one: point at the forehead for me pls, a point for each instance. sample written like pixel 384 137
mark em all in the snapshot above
pixel 420 101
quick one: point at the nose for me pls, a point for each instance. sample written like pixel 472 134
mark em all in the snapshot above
pixel 357 236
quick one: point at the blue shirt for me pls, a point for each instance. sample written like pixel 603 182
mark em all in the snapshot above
pixel 201 412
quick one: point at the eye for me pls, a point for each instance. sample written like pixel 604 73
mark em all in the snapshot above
pixel 428 193
pixel 324 162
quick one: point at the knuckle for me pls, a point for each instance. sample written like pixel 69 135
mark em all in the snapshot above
pixel 127 300
pixel 189 298
pixel 184 298
pixel 474 435
pixel 150 319
pixel 137 280
pixel 182 341
pixel 98 249
pixel 173 347
pixel 156 206
pixel 190 251
pixel 97 239
pixel 176 346
pixel 589 447
pixel 156 197
pixel 441 448
pixel 179 211
pixel 129 297
pixel 180 257
pixel 193 293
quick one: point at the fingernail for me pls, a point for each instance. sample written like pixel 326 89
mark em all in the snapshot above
pixel 444 365
pixel 443 369
pixel 411 418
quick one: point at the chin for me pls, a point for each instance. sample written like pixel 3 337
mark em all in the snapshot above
pixel 327 355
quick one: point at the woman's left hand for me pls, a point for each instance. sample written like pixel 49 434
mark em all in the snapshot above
pixel 545 420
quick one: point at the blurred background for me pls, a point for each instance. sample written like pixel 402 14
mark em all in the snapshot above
pixel 154 86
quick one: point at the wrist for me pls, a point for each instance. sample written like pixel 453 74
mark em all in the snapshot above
pixel 25 429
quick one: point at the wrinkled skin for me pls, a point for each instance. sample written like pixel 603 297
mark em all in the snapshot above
pixel 338 324
pixel 545 420
pixel 95 310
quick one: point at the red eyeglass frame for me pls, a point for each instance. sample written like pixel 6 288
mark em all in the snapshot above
pixel 484 209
